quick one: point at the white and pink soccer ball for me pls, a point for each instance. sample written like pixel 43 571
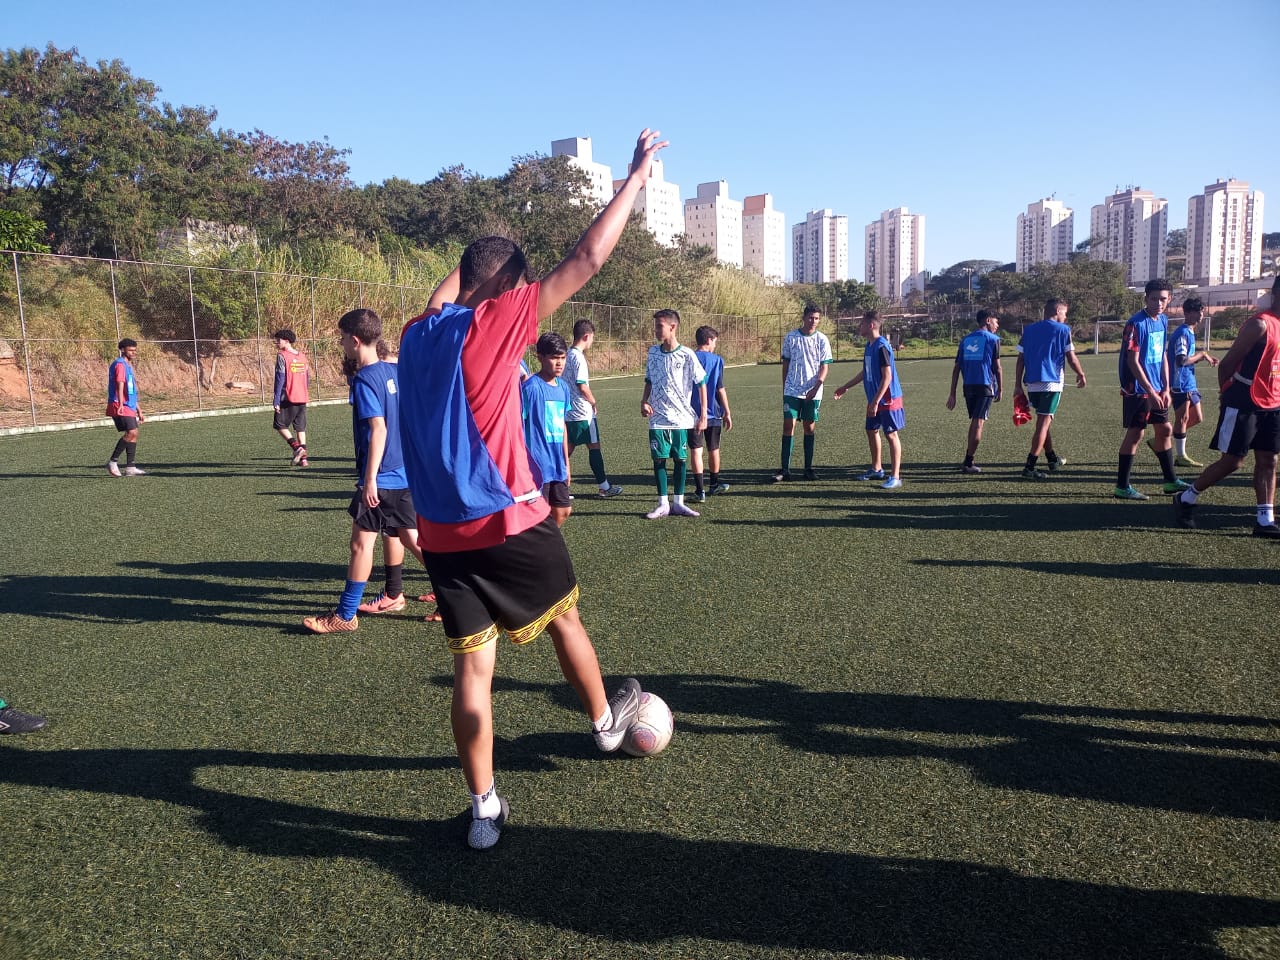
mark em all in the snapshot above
pixel 652 728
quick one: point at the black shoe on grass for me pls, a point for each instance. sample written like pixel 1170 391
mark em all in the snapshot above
pixel 1184 513
pixel 15 721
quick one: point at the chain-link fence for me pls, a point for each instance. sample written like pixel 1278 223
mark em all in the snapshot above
pixel 205 333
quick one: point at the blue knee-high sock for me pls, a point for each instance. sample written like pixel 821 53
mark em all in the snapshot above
pixel 352 594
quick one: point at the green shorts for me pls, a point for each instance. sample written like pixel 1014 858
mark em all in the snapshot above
pixel 798 408
pixel 582 433
pixel 669 443
pixel 1044 402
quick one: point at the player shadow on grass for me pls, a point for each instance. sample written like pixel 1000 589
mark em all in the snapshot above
pixel 1158 572
pixel 1198 763
pixel 631 887
pixel 228 593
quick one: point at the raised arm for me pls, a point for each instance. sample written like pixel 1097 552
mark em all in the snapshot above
pixel 593 249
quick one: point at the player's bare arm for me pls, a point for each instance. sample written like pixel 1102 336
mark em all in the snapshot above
pixel 1251 331
pixel 590 253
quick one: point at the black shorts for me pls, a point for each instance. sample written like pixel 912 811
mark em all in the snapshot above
pixel 291 415
pixel 125 424
pixel 556 493
pixel 1180 400
pixel 977 401
pixel 709 438
pixel 1243 427
pixel 518 586
pixel 393 512
pixel 1136 412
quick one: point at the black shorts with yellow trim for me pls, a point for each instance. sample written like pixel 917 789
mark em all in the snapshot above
pixel 516 587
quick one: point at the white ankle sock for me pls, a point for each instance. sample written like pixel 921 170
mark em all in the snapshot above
pixel 1266 514
pixel 486 806
pixel 605 721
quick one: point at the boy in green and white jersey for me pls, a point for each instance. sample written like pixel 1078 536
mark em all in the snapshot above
pixel 672 374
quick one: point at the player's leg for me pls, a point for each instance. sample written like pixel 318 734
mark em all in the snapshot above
pixel 810 439
pixel 471 717
pixel 680 459
pixel 660 450
pixel 789 414
pixel 895 454
pixel 1135 416
pixel 596 459
pixel 873 443
pixel 581 667
pixel 715 485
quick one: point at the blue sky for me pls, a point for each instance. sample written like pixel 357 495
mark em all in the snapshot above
pixel 965 113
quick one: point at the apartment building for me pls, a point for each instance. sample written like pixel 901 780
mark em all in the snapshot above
pixel 712 219
pixel 764 238
pixel 1046 234
pixel 1224 234
pixel 1130 228
pixel 578 152
pixel 659 206
pixel 820 248
pixel 895 253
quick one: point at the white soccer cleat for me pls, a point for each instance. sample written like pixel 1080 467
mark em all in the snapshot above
pixel 682 510
pixel 661 511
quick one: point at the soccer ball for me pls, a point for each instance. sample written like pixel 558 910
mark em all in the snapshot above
pixel 651 730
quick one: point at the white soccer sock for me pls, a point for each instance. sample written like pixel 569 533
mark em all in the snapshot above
pixel 663 501
pixel 1180 446
pixel 605 720
pixel 486 806
pixel 1266 514
pixel 1190 495
pixel 678 498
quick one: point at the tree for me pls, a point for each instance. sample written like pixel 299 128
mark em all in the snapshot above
pixel 1175 243
pixel 305 192
pixel 21 232
pixel 954 283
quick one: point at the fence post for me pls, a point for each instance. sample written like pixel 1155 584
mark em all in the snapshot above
pixel 316 367
pixel 257 312
pixel 115 302
pixel 26 347
pixel 195 341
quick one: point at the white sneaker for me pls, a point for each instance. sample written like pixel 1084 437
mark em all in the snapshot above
pixel 483 834
pixel 113 468
pixel 682 510
pixel 662 510
pixel 132 471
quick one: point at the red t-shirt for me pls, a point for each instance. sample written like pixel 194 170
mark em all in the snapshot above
pixel 501 331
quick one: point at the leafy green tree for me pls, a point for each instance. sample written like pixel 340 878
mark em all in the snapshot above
pixel 955 282
pixel 21 232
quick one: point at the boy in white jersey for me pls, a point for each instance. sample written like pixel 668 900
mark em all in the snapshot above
pixel 806 358
pixel 580 419
pixel 672 375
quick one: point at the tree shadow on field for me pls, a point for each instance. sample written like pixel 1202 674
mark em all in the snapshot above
pixel 227 592
pixel 730 893
pixel 1166 572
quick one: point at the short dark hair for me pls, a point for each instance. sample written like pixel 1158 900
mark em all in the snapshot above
pixel 1052 304
pixel 810 309
pixel 1156 285
pixel 489 257
pixel 704 335
pixel 363 324
pixel 126 342
pixel 668 314
pixel 1192 303
pixel 552 345
pixel 582 328
pixel 382 349
pixel 983 316
pixel 872 315
pixel 285 334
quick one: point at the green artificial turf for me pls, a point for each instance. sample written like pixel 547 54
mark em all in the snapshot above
pixel 972 718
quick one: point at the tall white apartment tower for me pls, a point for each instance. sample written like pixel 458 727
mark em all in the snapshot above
pixel 820 248
pixel 1130 228
pixel 1224 234
pixel 578 150
pixel 1046 234
pixel 764 238
pixel 895 253
pixel 712 219
pixel 658 204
